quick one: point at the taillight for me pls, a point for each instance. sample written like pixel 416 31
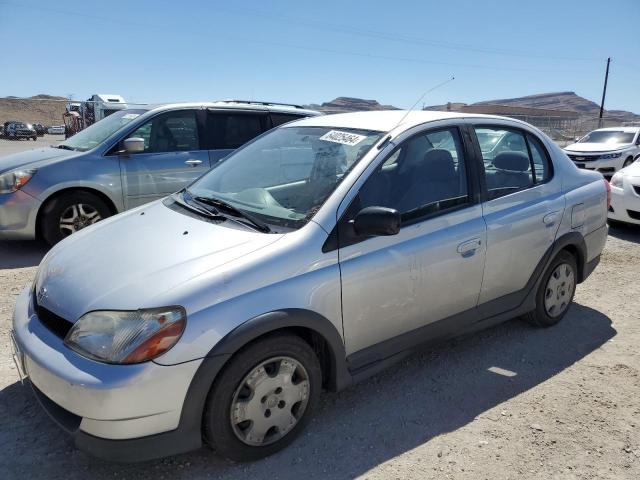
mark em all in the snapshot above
pixel 608 187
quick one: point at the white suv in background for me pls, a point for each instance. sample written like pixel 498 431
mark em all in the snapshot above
pixel 606 150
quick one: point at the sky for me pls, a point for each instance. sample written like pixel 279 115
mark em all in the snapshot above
pixel 153 51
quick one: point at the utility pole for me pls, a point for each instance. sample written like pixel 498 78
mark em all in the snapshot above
pixel 604 93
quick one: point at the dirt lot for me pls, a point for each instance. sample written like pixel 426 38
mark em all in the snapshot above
pixel 8 147
pixel 511 402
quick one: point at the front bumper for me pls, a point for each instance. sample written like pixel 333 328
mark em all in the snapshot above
pixel 625 201
pixel 108 408
pixel 607 166
pixel 18 212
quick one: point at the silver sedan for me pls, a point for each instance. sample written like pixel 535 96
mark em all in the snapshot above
pixel 309 259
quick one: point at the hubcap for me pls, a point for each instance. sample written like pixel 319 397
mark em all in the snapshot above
pixel 270 401
pixel 76 217
pixel 559 290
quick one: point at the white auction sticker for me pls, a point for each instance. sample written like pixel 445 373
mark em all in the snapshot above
pixel 345 138
pixel 130 116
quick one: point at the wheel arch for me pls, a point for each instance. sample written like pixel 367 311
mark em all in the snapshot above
pixel 573 242
pixel 312 327
pixel 58 193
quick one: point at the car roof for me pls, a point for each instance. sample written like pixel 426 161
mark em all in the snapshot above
pixel 385 120
pixel 235 105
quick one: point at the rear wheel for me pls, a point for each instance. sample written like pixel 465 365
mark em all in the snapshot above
pixel 70 213
pixel 263 398
pixel 556 291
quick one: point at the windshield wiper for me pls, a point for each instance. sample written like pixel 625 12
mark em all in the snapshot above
pixel 197 208
pixel 227 207
pixel 64 147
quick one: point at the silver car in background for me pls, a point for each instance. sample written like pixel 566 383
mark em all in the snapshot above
pixel 309 259
pixel 129 158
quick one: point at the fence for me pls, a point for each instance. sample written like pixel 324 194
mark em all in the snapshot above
pixel 48 110
pixel 565 130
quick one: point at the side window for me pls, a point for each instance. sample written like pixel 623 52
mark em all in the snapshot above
pixel 541 163
pixel 423 176
pixel 232 130
pixel 507 165
pixel 280 118
pixel 170 132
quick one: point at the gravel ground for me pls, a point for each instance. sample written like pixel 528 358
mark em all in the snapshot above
pixel 510 402
pixel 8 147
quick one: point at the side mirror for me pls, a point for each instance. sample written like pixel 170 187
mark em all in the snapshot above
pixel 377 221
pixel 133 145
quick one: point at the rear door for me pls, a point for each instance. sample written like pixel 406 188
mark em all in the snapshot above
pixel 227 130
pixel 522 205
pixel 172 157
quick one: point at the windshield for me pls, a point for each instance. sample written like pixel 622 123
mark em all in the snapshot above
pixel 97 133
pixel 608 136
pixel 285 176
pixel 488 140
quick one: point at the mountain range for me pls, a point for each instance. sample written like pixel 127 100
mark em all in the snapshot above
pixel 48 109
pixel 555 101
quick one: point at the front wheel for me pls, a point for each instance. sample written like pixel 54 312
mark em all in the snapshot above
pixel 69 213
pixel 263 398
pixel 556 291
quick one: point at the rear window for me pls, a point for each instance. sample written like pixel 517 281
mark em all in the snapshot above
pixel 278 119
pixel 230 130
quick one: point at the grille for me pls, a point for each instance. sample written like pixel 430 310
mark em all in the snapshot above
pixel 633 214
pixel 582 158
pixel 55 323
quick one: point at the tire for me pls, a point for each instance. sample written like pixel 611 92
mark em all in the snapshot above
pixel 564 270
pixel 59 219
pixel 231 399
pixel 627 162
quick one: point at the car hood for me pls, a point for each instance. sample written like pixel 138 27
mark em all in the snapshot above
pixel 596 147
pixel 127 262
pixel 34 158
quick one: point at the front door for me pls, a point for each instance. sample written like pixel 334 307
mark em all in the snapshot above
pixel 172 158
pixel 429 271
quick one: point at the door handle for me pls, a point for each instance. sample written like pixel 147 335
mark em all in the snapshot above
pixel 469 247
pixel 193 163
pixel 550 219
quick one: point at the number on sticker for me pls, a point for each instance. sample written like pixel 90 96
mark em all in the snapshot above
pixel 345 138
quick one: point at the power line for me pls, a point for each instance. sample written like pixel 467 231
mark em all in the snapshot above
pixel 350 30
pixel 404 59
pixel 396 37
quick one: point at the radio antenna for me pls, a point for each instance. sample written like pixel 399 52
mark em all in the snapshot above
pixel 421 97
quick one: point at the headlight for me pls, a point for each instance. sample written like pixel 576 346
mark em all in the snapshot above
pixel 127 336
pixel 617 180
pixel 15 180
pixel 610 155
